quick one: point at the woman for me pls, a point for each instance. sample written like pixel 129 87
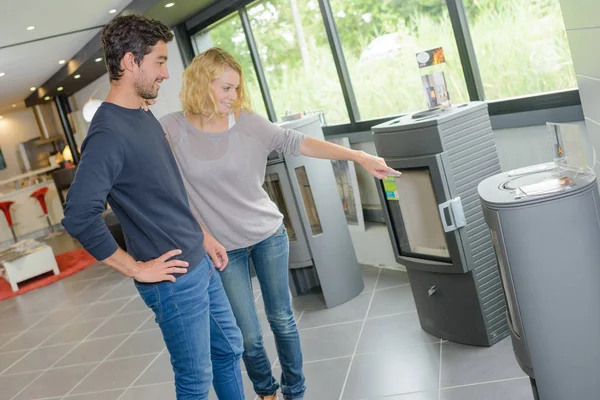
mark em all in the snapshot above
pixel 221 147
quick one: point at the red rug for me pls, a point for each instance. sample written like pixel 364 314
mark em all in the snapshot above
pixel 68 264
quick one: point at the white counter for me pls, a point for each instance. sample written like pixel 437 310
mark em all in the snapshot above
pixel 27 213
pixel 28 174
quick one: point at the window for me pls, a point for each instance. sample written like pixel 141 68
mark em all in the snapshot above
pixel 297 59
pixel 228 34
pixel 347 183
pixel 521 47
pixel 381 38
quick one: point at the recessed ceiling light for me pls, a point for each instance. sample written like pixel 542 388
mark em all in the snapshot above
pixel 112 11
pixel 32 88
pixel 98 59
pixel 47 98
pixel 169 5
pixel 14 106
pixel 61 62
pixel 2 74
pixel 30 28
pixel 60 88
pixel 77 76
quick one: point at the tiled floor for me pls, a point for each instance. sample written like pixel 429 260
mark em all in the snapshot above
pixel 90 337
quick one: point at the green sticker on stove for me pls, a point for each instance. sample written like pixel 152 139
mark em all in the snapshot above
pixel 390 188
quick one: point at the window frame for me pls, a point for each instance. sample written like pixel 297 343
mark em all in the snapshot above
pixel 563 99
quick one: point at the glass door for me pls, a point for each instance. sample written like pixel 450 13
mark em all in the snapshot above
pixel 309 201
pixel 411 206
pixel 274 189
pixel 416 210
pixel 277 185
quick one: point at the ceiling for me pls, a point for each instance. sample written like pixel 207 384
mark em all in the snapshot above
pixel 30 65
pixel 64 30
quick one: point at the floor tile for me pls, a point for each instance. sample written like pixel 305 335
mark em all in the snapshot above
pixel 113 280
pixel 92 351
pixel 430 395
pixel 369 275
pixel 389 278
pixel 255 284
pixel 126 289
pixel 308 302
pixel 39 307
pixel 517 389
pixel 107 395
pixel 330 342
pixel 8 359
pixel 353 310
pixel 74 307
pixel 6 305
pixel 29 339
pixel 149 324
pixel 45 297
pixel 394 372
pixel 113 374
pixel 40 358
pixel 101 310
pixel 464 365
pixel 89 295
pixel 75 287
pixel 392 301
pixel 10 312
pixel 18 325
pixel 135 305
pixel 58 318
pixel 78 278
pixel 95 271
pixel 259 303
pixel 412 396
pixel 139 343
pixel 160 371
pixel 74 332
pixel 120 324
pixel 11 385
pixel 55 382
pixel 324 379
pixel 164 391
pixel 5 339
pixel 397 331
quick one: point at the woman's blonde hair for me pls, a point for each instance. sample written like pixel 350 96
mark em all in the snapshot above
pixel 196 92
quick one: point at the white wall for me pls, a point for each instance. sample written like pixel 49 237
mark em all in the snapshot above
pixel 583 31
pixel 15 127
pixel 520 147
pixel 168 97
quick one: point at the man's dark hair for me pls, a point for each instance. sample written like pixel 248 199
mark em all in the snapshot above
pixel 131 33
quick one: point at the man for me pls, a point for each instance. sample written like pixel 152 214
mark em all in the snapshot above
pixel 126 160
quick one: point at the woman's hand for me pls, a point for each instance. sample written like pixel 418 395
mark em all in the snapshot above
pixel 375 166
pixel 216 251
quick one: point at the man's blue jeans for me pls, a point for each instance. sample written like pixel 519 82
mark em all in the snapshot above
pixel 198 327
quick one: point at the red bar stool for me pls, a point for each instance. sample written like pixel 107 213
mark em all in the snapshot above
pixel 5 207
pixel 40 196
